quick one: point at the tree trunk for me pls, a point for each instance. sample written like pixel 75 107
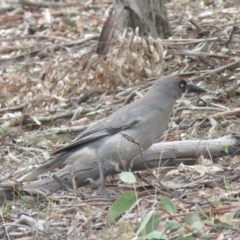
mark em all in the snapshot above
pixel 150 16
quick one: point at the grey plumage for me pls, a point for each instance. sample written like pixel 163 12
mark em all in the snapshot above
pixel 144 121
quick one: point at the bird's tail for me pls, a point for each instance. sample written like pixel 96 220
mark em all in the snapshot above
pixel 48 166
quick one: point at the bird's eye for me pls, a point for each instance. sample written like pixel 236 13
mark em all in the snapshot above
pixel 182 85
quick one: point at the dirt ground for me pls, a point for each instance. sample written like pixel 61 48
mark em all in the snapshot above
pixel 52 86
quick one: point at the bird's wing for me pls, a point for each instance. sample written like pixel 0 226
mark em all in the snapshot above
pixel 95 132
pixel 127 117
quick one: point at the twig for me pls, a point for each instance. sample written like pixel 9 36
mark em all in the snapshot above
pixel 64 130
pixel 151 173
pixel 187 41
pixel 218 70
pixel 231 32
pixel 198 54
pixel 201 108
pixel 15 108
pixel 196 25
pixel 37 36
pixel 54 47
pixel 26 119
pixel 227 113
pixel 61 183
pixel 216 209
pixel 85 223
pixel 16 121
pixel 6 9
pixel 52 5
pixel 130 97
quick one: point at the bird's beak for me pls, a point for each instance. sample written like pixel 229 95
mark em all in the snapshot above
pixel 193 88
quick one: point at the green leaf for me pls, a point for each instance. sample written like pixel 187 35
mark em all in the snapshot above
pixel 225 149
pixel 144 222
pixel 167 204
pixel 154 235
pixel 186 238
pixel 123 203
pixel 172 225
pixel 149 223
pixel 206 237
pixel 221 224
pixel 190 219
pixel 194 221
pixel 217 221
pixel 69 22
pixel 73 14
pixel 127 177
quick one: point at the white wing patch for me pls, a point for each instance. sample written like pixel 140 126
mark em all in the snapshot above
pixel 85 154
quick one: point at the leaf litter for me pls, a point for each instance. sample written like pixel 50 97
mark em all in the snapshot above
pixel 53 84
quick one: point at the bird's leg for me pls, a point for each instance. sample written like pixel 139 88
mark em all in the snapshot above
pixel 73 181
pixel 102 178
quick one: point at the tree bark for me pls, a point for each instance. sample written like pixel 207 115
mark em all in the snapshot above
pixel 150 16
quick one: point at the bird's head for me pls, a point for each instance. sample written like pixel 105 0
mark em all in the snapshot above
pixel 186 87
pixel 176 86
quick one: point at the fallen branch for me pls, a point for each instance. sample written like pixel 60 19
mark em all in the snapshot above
pixel 160 154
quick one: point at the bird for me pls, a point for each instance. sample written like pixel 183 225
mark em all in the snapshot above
pixel 144 121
